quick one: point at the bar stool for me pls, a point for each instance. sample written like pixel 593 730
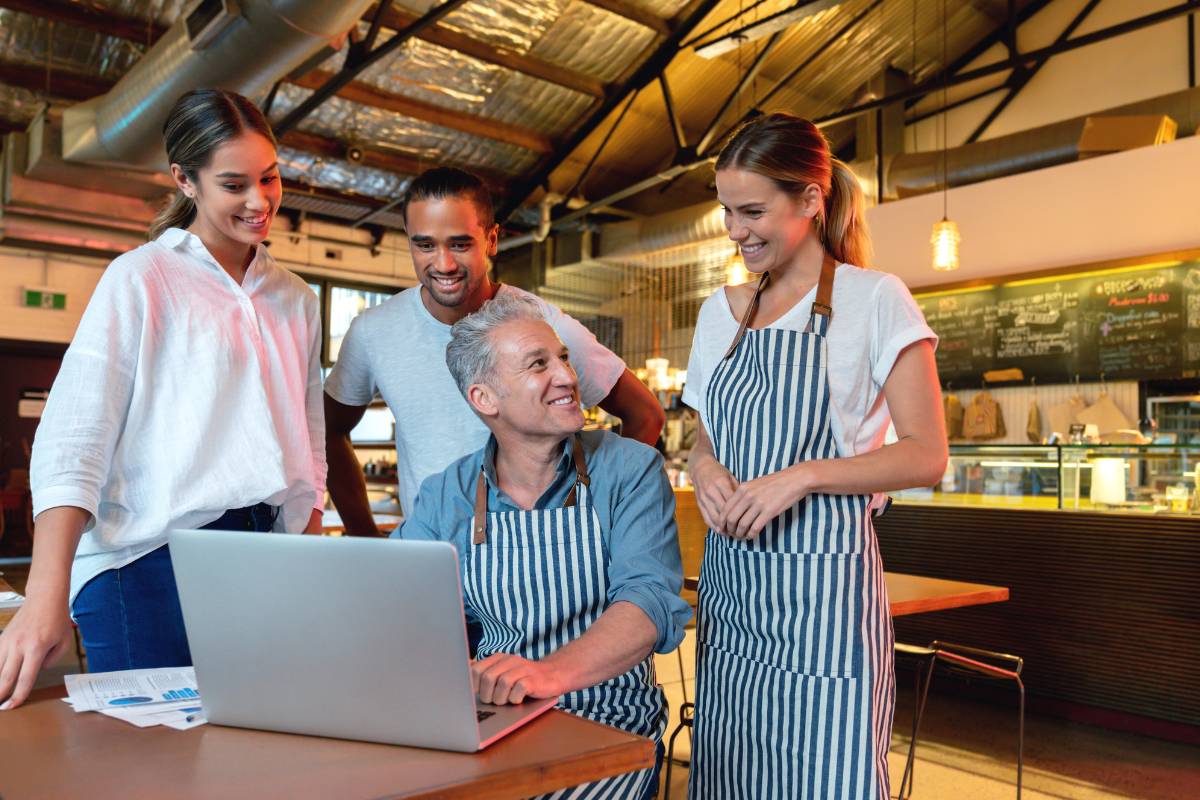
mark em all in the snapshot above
pixel 972 662
pixel 687 708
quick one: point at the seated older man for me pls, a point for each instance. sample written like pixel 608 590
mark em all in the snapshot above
pixel 567 539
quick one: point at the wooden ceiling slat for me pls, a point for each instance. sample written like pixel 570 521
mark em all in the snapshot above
pixel 500 56
pixel 368 95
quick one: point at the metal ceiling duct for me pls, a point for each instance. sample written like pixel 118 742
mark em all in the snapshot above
pixel 911 174
pixel 240 45
pixel 635 238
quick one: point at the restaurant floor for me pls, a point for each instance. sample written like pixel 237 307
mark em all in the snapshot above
pixel 968 750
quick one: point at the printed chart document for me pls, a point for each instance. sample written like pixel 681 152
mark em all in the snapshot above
pixel 142 697
pixel 11 600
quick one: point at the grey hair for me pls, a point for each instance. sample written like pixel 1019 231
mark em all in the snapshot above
pixel 471 353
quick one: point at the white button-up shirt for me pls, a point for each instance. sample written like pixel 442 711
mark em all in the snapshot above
pixel 183 394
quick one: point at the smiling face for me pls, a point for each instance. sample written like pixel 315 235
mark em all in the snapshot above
pixel 767 223
pixel 533 390
pixel 451 250
pixel 236 194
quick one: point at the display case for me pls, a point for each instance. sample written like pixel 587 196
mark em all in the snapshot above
pixel 1154 479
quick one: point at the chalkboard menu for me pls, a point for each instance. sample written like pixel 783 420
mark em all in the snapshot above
pixel 1123 324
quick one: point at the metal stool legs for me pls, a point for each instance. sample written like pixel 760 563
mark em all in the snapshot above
pixel 975 661
pixel 923 672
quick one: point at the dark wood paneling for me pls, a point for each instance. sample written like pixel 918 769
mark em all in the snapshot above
pixel 1103 607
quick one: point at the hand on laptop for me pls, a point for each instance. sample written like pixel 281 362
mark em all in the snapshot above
pixel 503 678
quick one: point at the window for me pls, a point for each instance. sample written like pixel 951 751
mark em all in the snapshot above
pixel 340 304
pixel 346 303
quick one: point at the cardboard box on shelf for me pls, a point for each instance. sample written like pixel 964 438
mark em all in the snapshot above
pixel 1112 134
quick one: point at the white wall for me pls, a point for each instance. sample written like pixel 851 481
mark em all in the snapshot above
pixel 1136 203
pixel 323 250
pixel 1136 66
pixel 22 268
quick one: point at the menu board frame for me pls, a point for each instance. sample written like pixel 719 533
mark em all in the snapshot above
pixel 1132 319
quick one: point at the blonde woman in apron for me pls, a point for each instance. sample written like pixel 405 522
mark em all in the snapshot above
pixel 796 378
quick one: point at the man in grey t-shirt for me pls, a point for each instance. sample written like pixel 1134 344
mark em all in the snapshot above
pixel 399 349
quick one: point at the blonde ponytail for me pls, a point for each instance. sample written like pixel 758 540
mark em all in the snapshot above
pixel 178 213
pixel 794 154
pixel 844 232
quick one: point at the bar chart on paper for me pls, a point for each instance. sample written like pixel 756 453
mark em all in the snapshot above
pixel 96 691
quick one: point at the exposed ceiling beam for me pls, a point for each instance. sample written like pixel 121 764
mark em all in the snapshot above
pixel 71 86
pixel 368 95
pixel 1019 60
pixel 1023 75
pixel 78 86
pixel 693 14
pixel 500 56
pixel 377 158
pixel 996 35
pixel 56 82
pixel 332 148
pixel 359 60
pixel 89 18
pixel 927 87
pixel 138 31
pixel 642 16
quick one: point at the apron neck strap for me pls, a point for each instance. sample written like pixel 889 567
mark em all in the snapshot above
pixel 479 518
pixel 821 304
pixel 748 315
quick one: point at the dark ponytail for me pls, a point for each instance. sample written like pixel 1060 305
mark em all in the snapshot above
pixel 201 121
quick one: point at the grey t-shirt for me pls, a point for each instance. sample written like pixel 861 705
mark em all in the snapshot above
pixel 399 349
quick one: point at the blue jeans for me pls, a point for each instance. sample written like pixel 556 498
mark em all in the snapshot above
pixel 129 617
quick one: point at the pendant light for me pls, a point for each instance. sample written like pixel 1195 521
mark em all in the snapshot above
pixel 945 236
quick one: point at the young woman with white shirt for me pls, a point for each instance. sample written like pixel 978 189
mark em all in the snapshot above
pixel 190 397
pixel 795 377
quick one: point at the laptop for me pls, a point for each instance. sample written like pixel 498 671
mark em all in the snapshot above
pixel 343 637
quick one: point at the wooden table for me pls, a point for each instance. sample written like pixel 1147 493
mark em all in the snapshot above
pixel 916 594
pixel 47 750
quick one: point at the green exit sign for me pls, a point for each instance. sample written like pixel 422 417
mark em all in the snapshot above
pixel 45 298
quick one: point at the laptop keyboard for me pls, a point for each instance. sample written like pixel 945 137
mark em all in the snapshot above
pixel 482 715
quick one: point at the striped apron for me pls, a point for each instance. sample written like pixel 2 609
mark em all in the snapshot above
pixel 537 580
pixel 794 683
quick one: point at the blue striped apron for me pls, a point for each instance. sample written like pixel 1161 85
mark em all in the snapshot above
pixel 794 683
pixel 537 580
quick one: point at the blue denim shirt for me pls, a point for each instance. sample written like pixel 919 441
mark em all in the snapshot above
pixel 632 498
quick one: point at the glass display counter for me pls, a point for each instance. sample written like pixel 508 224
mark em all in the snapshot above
pixel 1155 479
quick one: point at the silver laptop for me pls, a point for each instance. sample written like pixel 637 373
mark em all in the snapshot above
pixel 350 638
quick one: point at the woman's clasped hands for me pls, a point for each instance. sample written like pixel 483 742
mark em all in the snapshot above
pixel 742 510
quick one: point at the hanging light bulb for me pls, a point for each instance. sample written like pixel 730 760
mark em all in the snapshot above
pixel 737 274
pixel 945 236
pixel 945 241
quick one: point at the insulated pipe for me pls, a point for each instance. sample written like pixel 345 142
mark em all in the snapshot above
pixel 250 45
pixel 543 229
